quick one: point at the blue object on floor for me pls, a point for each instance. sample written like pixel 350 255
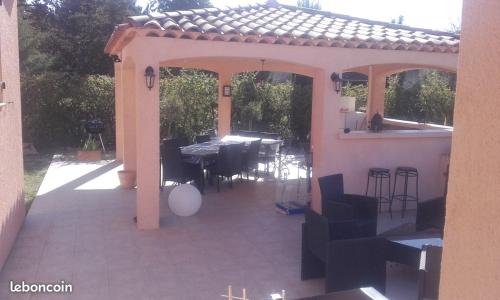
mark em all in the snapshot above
pixel 290 208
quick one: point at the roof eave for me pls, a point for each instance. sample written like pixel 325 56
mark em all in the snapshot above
pixel 115 38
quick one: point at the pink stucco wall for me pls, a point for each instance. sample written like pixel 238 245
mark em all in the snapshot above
pixel 426 150
pixel 471 260
pixel 12 208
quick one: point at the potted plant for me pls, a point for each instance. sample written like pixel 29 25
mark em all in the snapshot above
pixel 90 151
pixel 127 179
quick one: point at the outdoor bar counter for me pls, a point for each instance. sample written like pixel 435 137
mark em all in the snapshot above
pixel 426 149
pixel 397 134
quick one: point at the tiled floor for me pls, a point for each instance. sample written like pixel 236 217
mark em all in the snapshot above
pixel 80 229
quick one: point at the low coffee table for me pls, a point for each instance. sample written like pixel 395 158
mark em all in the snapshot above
pixel 407 250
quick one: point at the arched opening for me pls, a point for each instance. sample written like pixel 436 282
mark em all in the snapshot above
pixel 188 102
pixel 423 96
pixel 278 102
pixel 407 97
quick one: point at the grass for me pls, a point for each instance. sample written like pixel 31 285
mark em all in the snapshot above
pixel 35 167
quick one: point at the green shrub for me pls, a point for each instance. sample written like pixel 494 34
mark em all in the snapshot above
pixel 188 103
pixel 260 105
pixel 57 105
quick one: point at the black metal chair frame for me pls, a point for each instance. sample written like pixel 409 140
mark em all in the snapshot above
pixel 379 174
pixel 406 173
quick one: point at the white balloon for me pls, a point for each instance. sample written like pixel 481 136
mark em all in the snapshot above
pixel 184 200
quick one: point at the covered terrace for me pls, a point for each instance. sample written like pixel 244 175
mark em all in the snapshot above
pixel 281 38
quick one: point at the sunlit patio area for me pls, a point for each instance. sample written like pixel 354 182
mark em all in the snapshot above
pixel 81 230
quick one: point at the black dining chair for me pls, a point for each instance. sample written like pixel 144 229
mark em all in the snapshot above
pixel 212 132
pixel 269 135
pixel 202 138
pixel 175 168
pixel 228 163
pixel 250 160
pixel 183 141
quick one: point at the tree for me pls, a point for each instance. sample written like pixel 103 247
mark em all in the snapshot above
pixel 188 103
pixel 437 97
pixel 313 4
pixel 169 5
pixel 358 91
pixel 74 32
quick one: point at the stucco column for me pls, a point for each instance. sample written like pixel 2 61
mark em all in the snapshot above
pixel 129 115
pixel 224 106
pixel 119 110
pixel 376 93
pixel 147 103
pixel 470 268
pixel 325 122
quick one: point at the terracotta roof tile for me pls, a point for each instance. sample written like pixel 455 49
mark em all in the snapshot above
pixel 294 26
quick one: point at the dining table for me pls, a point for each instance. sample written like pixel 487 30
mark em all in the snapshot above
pixel 206 153
pixel 268 146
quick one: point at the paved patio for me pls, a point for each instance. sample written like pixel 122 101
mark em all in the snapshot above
pixel 80 229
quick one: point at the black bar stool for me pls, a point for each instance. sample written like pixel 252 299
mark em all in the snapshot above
pixel 380 174
pixel 406 173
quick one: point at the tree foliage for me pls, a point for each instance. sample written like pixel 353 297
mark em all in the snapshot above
pixel 188 103
pixel 169 5
pixel 425 96
pixel 429 99
pixel 57 105
pixel 282 107
pixel 74 32
pixel 358 91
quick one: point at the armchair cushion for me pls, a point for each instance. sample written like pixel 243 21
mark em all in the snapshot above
pixel 356 263
pixel 338 211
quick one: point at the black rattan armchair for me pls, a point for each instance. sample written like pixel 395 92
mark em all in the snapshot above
pixel 335 250
pixel 175 167
pixel 338 206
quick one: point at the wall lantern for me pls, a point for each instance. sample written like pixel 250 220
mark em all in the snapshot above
pixel 150 77
pixel 116 58
pixel 226 91
pixel 337 82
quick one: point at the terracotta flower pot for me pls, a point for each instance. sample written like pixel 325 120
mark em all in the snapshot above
pixel 89 155
pixel 127 179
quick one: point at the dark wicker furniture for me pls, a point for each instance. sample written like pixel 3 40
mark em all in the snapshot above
pixel 338 206
pixel 339 251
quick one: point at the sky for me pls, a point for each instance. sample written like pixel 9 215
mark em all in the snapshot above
pixel 431 14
